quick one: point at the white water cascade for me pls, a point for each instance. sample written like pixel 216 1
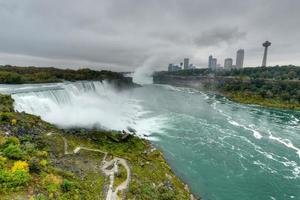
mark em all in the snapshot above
pixel 83 104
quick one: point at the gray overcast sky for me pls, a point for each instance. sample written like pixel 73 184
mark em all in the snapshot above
pixel 126 34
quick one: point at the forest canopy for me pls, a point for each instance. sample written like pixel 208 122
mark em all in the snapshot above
pixel 17 75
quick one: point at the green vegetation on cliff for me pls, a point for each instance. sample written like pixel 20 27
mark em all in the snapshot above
pixel 267 86
pixel 40 161
pixel 250 98
pixel 279 94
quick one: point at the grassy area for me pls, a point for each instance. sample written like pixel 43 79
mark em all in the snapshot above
pixel 250 98
pixel 33 164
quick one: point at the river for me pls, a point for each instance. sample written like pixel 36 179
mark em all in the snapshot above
pixel 223 150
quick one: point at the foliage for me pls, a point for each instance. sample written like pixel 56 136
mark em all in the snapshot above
pixel 16 75
pixel 12 140
pixel 2 141
pixel 42 154
pixel 43 163
pixel 250 98
pixel 67 185
pixel 13 122
pixel 289 72
pixel 6 117
pixel 2 161
pixel 34 165
pixel 13 151
pixel 13 180
pixel 6 103
pixel 52 183
pixel 20 166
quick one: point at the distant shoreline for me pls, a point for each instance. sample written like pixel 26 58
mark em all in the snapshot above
pixel 243 85
pixel 246 98
pixel 252 99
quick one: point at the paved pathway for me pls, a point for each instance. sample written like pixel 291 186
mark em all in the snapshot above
pixel 112 194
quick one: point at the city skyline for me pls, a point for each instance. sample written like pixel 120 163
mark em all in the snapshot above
pixel 228 62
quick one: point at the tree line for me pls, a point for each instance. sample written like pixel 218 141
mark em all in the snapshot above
pixel 17 75
pixel 288 72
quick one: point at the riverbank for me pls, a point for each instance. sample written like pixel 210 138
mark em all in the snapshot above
pixel 248 98
pixel 36 162
pixel 283 94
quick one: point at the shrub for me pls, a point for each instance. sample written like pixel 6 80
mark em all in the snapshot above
pixel 2 141
pixel 6 116
pixel 34 165
pixel 52 183
pixel 29 148
pixel 2 161
pixel 67 185
pixel 6 103
pixel 13 122
pixel 13 180
pixel 39 197
pixel 166 194
pixel 12 140
pixel 20 177
pixel 13 151
pixel 43 163
pixel 42 154
pixel 20 166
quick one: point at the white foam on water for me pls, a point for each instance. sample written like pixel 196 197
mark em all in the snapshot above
pixel 88 105
pixel 285 142
pixel 256 134
pixel 291 165
pixel 251 128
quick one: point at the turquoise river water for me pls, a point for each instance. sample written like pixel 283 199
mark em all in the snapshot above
pixel 223 150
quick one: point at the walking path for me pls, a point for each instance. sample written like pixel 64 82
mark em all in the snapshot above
pixel 111 194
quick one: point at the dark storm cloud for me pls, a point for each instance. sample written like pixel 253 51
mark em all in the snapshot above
pixel 126 34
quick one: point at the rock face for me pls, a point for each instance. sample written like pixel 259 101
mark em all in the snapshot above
pixel 200 82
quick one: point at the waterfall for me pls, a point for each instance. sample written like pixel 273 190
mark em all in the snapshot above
pixel 79 104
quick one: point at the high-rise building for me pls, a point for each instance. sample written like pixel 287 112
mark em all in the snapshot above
pixel 210 61
pixel 214 63
pixel 185 63
pixel 228 63
pixel 240 58
pixel 170 67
